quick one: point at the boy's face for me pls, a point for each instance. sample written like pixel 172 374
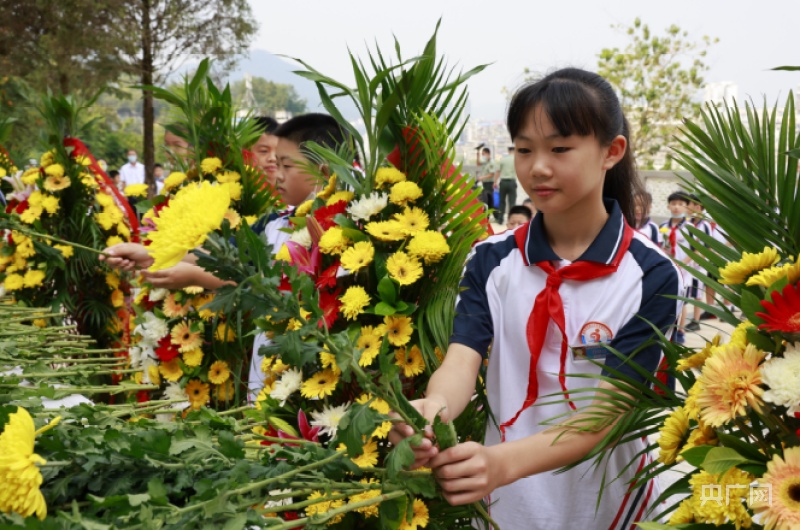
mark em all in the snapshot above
pixel 158 172
pixel 695 208
pixel 265 152
pixel 176 146
pixel 676 208
pixel 291 180
pixel 515 220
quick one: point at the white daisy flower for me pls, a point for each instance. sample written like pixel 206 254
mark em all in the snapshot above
pixel 288 384
pixel 782 375
pixel 328 418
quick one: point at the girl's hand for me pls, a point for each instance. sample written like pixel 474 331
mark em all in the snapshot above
pixel 176 277
pixel 467 472
pixel 429 408
pixel 127 257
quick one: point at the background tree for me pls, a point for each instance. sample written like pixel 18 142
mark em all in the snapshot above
pixel 269 97
pixel 657 79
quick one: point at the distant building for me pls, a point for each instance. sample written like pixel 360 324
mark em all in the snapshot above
pixel 721 92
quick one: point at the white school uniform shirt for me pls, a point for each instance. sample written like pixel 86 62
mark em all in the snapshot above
pixel 677 253
pixel 275 237
pixel 651 230
pixel 493 308
pixel 132 174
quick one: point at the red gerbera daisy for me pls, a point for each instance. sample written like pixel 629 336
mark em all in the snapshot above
pixel 783 313
pixel 327 278
pixel 330 304
pixel 166 351
pixel 325 215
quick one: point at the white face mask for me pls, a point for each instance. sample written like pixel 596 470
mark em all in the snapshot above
pixel 484 159
pixel 131 158
pixel 678 215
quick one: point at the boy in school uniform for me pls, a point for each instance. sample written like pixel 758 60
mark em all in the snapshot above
pixel 675 238
pixel 698 290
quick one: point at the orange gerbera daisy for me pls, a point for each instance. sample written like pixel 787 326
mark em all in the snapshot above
pixel 184 338
pixel 219 372
pixel 398 330
pixel 782 510
pixel 173 308
pixel 197 392
pixel 410 362
pixel 783 313
pixel 730 381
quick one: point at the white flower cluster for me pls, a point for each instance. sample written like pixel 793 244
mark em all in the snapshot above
pixel 782 375
pixel 151 330
pixel 368 205
pixel 288 384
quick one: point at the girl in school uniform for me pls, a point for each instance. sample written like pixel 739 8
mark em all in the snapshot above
pixel 642 203
pixel 548 297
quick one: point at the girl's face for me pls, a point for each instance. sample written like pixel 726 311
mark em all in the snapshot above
pixel 562 174
pixel 639 211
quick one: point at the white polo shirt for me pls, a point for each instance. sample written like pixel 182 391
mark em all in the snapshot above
pixel 493 309
pixel 132 174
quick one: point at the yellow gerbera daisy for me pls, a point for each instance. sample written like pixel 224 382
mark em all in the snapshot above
pixel 782 510
pixel 325 506
pixel 320 384
pixel 412 220
pixel 225 332
pixel 385 230
pixel 404 192
pixel 411 361
pixel 672 435
pixel 388 175
pixel 339 196
pixel 333 241
pixel 54 183
pixel 419 517
pixel 47 158
pixel 225 391
pixel 358 256
pixel 210 165
pixel 54 170
pixel 184 338
pixel 198 393
pixel 219 372
pixel 328 360
pixel 31 214
pixel 193 358
pixel 369 458
pixel 173 308
pixel 404 269
pixel 370 343
pixel 769 276
pixel 429 246
pixel 171 370
pixel 398 329
pixel 736 272
pixel 380 406
pixel 354 301
pixel 731 381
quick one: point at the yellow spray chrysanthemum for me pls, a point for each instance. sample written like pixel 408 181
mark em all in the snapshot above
pixel 698 359
pixel 104 220
pixel 50 203
pixel 419 518
pixel 136 190
pixel 54 170
pixel 66 250
pixel 324 506
pixel 769 276
pixel 13 282
pixel 54 183
pixel 429 246
pixel 193 358
pixel 412 220
pixel 410 362
pixel 123 231
pixel 372 509
pixel 739 335
pixel 320 384
pixel 219 372
pixel 329 188
pixel 283 254
pixel 358 256
pixel 210 165
pixel 672 435
pixel 354 301
pixel 47 158
pixel 30 176
pixel 737 272
pixel 333 241
pixel 702 435
pixel 185 224
pixel 781 511
pixel 114 240
pixel 33 278
pixel 174 180
pixel 234 219
pixel 339 196
pixel 719 499
pixel 228 176
pixel 369 458
pixel 387 176
pixel 385 230
pixel 234 189
pixel 731 381
pixel 398 329
pixel 198 393
pixel 225 332
pixel 690 405
pixel 403 193
pixel 31 214
pixel 19 467
pixel 404 269
pixel 117 298
pixel 171 370
pixel 303 209
pixel 684 514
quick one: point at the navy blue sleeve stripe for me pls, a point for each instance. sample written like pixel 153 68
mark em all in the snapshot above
pixel 660 280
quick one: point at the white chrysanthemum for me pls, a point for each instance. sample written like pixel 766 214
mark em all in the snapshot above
pixel 288 384
pixel 302 237
pixel 367 206
pixel 151 330
pixel 782 376
pixel 328 418
pixel 157 294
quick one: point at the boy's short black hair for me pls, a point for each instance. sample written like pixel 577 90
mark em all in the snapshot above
pixel 679 195
pixel 266 125
pixel 695 199
pixel 157 165
pixel 315 127
pixel 113 173
pixel 522 210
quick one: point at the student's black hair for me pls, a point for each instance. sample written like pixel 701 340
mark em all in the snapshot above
pixel 679 195
pixel 157 165
pixel 486 150
pixel 522 210
pixel 113 173
pixel 695 199
pixel 318 128
pixel 266 125
pixel 582 103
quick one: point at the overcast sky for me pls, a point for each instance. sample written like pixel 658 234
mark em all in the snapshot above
pixel 753 36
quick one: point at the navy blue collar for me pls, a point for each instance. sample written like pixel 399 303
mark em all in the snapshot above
pixel 602 250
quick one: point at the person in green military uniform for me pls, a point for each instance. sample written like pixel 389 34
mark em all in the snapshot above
pixel 505 180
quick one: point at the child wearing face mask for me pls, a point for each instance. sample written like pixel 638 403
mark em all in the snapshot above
pixel 675 238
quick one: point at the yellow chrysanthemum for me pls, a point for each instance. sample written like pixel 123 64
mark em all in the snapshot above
pixel 283 254
pixel 88 180
pixel 19 467
pixel 702 435
pixel 731 381
pixel 36 198
pixel 54 183
pixel 769 276
pixel 333 241
pixel 234 189
pixel 781 510
pixel 328 361
pixel 30 176
pixel 54 170
pixel 419 517
pixel 410 362
pixel 370 342
pixel 719 499
pixel 225 332
pixel 66 250
pixel 219 372
pixel 385 230
pixel 303 209
pixel 210 165
pixel 185 224
pixel 184 338
pixel 371 510
pixel 198 393
pixel 358 256
pixel 398 329
pixel 369 458
pixel 698 359
pixel 228 176
pixel 50 204
pixel 114 240
pixel 174 180
pixel 684 514
pixel 739 335
pixel 404 269
pixel 114 213
pixel 112 280
pixel 104 220
pixel 325 506
pixel 136 190
pixel 171 370
pixel 117 298
pixel 320 384
pixel 33 278
pixel 123 231
pixel 234 219
pixel 339 196
pixel 404 192
pixel 690 405
pixel 31 214
pixel 83 160
pixel 354 301
pixel 412 220
pixel 330 187
pixel 47 158
pixel 737 272
pixel 429 246
pixel 40 323
pixel 672 435
pixel 387 176
pixel 193 358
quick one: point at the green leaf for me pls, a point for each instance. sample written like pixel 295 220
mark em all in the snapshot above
pixel 750 305
pixel 387 289
pixel 697 455
pixel 445 432
pixel 393 513
pixel 136 500
pixel 402 456
pixel 759 339
pixel 384 309
pixel 743 447
pixel 721 459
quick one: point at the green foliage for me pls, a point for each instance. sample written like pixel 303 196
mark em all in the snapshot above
pixel 268 97
pixel 657 78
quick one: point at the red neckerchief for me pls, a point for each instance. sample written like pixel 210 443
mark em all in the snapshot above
pixel 673 236
pixel 548 305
